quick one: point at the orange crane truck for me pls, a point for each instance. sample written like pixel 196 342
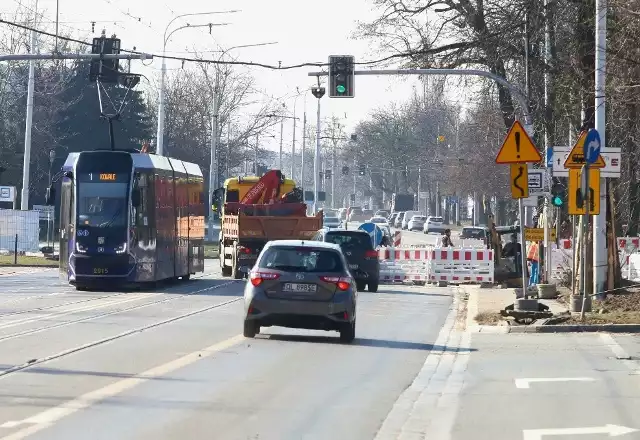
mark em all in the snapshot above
pixel 257 210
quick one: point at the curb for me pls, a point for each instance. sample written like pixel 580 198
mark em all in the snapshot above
pixel 577 328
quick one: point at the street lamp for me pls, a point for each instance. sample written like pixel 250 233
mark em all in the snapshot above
pixel 213 162
pixel 161 104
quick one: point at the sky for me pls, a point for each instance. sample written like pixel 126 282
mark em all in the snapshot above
pixel 305 31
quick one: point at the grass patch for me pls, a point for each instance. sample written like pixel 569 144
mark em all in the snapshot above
pixel 23 260
pixel 211 251
pixel 488 318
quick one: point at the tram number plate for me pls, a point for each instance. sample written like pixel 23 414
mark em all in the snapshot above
pixel 100 271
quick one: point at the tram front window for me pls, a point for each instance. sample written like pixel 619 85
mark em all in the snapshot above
pixel 102 204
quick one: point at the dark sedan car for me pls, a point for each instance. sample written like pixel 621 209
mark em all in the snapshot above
pixel 357 247
pixel 301 284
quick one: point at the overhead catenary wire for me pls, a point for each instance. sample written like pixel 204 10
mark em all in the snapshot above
pixel 209 61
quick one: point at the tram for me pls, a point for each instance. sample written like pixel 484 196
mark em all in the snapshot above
pixel 128 218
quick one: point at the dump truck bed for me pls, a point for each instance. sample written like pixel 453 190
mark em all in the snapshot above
pixel 245 227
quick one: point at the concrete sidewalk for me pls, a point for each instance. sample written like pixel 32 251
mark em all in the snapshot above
pixel 482 300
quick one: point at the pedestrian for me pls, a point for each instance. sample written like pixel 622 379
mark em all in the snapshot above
pixel 533 257
pixel 446 240
pixel 513 249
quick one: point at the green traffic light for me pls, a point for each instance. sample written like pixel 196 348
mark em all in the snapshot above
pixel 557 201
pixel 341 88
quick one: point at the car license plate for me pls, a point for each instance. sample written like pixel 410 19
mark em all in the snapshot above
pixel 353 266
pixel 298 287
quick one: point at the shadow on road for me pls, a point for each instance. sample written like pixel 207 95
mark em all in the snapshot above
pixel 65 372
pixel 409 292
pixel 368 342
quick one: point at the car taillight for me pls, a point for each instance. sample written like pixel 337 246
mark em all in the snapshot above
pixel 343 283
pixel 371 254
pixel 244 250
pixel 257 278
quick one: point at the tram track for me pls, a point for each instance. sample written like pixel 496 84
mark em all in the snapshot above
pixel 86 346
pixel 33 362
pixel 70 303
pixel 28 332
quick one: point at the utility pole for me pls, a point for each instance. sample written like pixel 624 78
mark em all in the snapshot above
pixel 600 220
pixel 548 133
pixel 333 173
pixel 419 188
pixel 213 163
pixel 255 156
pixel 304 147
pixel 228 150
pixel 26 162
pixel 293 147
pixel 281 130
pixel 318 92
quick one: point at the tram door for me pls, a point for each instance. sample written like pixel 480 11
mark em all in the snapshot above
pixel 67 225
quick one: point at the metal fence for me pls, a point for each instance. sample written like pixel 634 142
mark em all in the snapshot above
pixel 19 230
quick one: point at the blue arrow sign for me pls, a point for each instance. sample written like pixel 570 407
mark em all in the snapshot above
pixel 591 147
pixel 374 231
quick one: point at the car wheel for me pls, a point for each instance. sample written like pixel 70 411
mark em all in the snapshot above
pixel 360 285
pixel 373 286
pixel 250 329
pixel 348 332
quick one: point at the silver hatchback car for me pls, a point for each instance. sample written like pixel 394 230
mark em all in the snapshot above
pixel 301 284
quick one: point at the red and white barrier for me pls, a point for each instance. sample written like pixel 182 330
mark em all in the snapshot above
pixel 454 265
pixel 404 254
pixel 397 238
pixel 459 266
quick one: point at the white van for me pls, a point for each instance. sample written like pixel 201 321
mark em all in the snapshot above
pixel 407 217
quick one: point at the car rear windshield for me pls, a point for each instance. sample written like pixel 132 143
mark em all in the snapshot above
pixel 302 259
pixel 418 218
pixel 350 240
pixel 436 219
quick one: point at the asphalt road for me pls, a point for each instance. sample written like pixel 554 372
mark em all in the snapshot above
pixel 171 363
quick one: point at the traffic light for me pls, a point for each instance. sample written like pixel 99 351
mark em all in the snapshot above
pixel 362 169
pixel 106 71
pixel 327 174
pixel 558 195
pixel 345 170
pixel 341 76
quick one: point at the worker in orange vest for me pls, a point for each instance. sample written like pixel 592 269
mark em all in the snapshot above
pixel 533 257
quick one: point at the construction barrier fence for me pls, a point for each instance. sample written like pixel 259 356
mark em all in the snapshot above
pixel 436 264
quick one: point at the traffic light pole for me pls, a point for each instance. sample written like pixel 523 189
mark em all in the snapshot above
pixel 515 93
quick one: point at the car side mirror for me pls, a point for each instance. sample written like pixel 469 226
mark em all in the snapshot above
pixel 50 196
pixel 135 197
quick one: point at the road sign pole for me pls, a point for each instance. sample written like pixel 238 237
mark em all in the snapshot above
pixel 585 254
pixel 523 252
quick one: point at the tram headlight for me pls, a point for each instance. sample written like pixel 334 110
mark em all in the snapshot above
pixel 80 248
pixel 121 249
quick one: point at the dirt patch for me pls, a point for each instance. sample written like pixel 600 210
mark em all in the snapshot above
pixel 620 307
pixel 489 318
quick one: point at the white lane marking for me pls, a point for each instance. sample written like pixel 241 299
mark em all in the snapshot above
pixel 612 430
pixel 428 407
pixel 526 382
pixel 86 308
pixel 620 352
pixel 48 417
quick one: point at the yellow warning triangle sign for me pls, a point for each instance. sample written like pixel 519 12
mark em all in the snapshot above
pixel 576 157
pixel 518 147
